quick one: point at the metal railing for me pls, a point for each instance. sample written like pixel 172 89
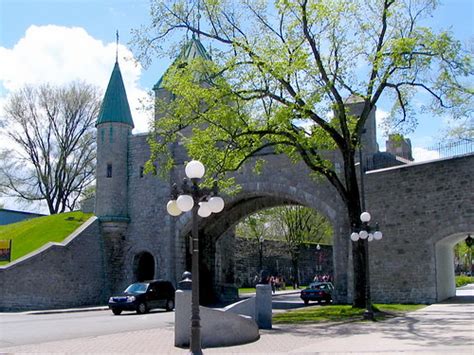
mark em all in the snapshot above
pixel 453 148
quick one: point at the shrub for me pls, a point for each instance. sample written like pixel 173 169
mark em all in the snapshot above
pixel 462 280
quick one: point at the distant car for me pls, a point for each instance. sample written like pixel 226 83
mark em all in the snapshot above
pixel 143 296
pixel 317 291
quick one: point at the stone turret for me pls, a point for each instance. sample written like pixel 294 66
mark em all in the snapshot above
pixel 191 50
pixel 114 128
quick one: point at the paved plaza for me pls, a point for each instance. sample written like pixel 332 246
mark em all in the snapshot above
pixel 443 328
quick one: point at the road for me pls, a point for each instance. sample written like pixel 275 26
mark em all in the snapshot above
pixel 31 328
pixel 28 328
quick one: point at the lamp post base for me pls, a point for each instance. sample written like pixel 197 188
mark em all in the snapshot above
pixel 369 314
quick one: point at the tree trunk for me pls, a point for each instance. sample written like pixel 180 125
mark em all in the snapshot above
pixel 294 261
pixel 358 250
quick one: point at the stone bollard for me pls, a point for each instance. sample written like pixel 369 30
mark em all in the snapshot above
pixel 182 316
pixel 263 306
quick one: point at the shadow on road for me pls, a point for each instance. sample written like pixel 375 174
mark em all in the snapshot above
pixel 460 299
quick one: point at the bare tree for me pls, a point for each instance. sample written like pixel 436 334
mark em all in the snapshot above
pixel 52 153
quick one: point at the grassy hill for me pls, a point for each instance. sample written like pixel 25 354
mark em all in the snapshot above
pixel 32 234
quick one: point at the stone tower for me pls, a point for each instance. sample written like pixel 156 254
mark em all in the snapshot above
pixel 191 50
pixel 355 104
pixel 114 128
pixel 399 146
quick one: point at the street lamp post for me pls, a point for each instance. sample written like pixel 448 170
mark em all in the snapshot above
pixel 367 233
pixel 469 241
pixel 201 202
pixel 318 258
pixel 260 251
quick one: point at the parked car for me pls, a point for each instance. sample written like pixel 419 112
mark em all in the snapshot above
pixel 317 291
pixel 143 296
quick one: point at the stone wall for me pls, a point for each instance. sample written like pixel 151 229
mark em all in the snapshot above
pixel 149 229
pixel 59 275
pixel 418 206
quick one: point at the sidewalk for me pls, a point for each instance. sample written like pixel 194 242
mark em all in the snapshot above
pixel 443 328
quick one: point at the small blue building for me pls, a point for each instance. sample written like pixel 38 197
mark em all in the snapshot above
pixel 11 216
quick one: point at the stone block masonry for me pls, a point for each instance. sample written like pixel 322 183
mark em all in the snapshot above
pixel 59 275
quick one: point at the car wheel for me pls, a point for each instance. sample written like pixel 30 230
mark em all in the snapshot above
pixel 306 302
pixel 141 308
pixel 116 311
pixel 169 305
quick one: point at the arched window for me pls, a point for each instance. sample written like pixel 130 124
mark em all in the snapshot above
pixel 109 170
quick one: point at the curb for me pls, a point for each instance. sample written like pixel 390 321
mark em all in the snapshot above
pixel 105 308
pixel 71 310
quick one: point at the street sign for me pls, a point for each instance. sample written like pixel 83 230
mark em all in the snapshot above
pixel 5 250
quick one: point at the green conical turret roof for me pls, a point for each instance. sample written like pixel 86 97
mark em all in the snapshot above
pixel 191 50
pixel 115 106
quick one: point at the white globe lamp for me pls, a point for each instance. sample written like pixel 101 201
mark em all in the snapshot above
pixel 216 204
pixel 185 202
pixel 194 169
pixel 354 236
pixel 378 235
pixel 365 217
pixel 204 210
pixel 363 234
pixel 172 208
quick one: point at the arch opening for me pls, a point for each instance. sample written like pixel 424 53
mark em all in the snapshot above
pixel 218 248
pixel 447 265
pixel 144 266
pixel 292 243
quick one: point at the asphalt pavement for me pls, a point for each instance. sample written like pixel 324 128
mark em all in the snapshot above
pixel 442 328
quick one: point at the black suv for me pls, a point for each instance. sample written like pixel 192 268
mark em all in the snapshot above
pixel 143 296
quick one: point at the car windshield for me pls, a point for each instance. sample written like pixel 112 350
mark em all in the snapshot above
pixel 137 288
pixel 319 286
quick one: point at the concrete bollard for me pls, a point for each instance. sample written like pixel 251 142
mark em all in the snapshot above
pixel 263 306
pixel 182 316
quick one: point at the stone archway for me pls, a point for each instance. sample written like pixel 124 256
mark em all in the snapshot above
pixel 218 266
pixel 251 199
pixel 445 280
pixel 143 266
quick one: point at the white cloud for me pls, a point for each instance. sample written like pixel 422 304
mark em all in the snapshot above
pixel 423 154
pixel 59 55
pixel 380 115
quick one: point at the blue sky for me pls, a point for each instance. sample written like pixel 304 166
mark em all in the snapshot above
pixel 62 40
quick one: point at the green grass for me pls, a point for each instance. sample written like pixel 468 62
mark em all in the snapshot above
pixel 462 280
pixel 32 234
pixel 339 313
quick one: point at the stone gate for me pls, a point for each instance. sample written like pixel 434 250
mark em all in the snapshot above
pixel 423 209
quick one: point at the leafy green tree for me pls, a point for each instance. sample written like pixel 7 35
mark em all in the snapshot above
pixel 299 226
pixel 255 227
pixel 463 255
pixel 51 157
pixel 277 65
pixel 461 130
